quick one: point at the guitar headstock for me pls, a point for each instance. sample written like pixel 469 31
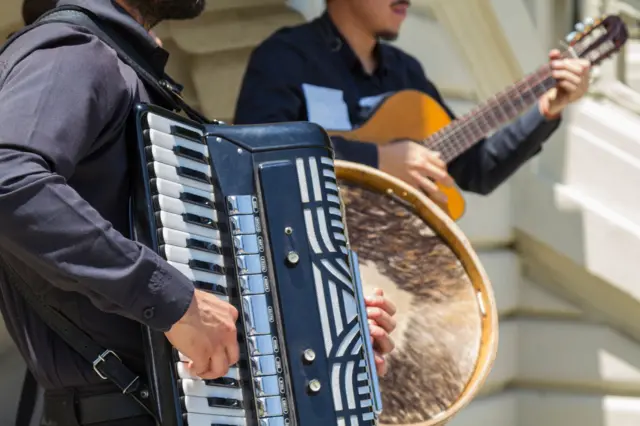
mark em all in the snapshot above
pixel 598 39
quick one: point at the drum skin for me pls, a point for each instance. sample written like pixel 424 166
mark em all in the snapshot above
pixel 447 333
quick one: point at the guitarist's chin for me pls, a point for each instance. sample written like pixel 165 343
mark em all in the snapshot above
pixel 388 35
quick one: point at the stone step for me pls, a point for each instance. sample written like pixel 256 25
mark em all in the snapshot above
pixel 230 29
pixel 535 408
pixel 581 249
pixel 576 355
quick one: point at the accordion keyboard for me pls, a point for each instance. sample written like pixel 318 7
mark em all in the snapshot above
pixel 216 236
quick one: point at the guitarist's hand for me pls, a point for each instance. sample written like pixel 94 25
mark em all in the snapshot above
pixel 415 165
pixel 572 76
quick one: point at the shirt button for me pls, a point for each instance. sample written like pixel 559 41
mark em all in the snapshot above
pixel 148 313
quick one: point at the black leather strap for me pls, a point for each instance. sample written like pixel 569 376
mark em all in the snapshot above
pixel 106 363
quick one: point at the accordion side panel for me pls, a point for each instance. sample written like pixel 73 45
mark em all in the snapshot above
pixel 301 197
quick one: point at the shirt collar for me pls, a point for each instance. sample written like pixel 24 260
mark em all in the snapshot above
pixel 113 14
pixel 339 45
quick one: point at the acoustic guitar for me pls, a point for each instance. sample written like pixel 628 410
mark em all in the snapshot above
pixel 447 333
pixel 415 116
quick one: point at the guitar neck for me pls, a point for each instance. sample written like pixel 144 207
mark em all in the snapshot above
pixel 489 116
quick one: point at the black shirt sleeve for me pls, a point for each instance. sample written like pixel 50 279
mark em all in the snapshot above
pixel 54 105
pixel 271 92
pixel 491 161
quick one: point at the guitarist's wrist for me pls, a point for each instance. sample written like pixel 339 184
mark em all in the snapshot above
pixel 546 111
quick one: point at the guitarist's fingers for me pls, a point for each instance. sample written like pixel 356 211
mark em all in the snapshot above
pixel 567 75
pixel 439 175
pixel 555 54
pixel 435 158
pixel 428 186
pixel 436 172
pixel 568 86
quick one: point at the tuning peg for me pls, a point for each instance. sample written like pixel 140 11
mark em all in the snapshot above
pixel 579 27
pixel 588 21
pixel 571 36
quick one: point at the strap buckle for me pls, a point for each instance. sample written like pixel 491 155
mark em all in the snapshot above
pixel 102 358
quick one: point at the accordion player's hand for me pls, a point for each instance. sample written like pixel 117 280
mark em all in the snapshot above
pixel 380 312
pixel 207 336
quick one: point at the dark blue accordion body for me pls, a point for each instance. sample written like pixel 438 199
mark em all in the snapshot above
pixel 253 215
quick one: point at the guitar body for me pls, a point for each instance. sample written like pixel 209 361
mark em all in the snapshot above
pixel 408 114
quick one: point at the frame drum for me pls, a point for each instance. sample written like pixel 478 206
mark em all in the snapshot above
pixel 447 333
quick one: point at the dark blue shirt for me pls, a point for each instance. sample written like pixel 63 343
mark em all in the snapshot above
pixel 298 63
pixel 64 188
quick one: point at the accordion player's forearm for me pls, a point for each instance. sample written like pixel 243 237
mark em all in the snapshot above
pixel 48 226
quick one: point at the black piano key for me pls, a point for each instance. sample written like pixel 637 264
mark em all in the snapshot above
pixel 211 287
pixel 193 174
pixel 224 402
pixel 207 267
pixel 196 199
pixel 195 244
pixel 190 154
pixel 227 382
pixel 200 220
pixel 186 133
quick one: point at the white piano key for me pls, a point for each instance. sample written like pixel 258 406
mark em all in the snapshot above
pixel 203 276
pixel 183 255
pixel 170 173
pixel 192 387
pixel 180 239
pixel 196 419
pixel 183 372
pixel 164 124
pixel 173 205
pixel 167 157
pixel 195 404
pixel 174 190
pixel 174 221
pixel 200 389
pixel 167 141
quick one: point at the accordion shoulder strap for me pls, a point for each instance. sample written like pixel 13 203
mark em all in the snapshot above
pixel 105 362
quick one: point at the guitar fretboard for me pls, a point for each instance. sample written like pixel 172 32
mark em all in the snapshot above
pixel 498 110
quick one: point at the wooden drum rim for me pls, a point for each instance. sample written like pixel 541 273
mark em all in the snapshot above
pixel 374 179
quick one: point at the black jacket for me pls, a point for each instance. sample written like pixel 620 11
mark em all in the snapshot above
pixel 64 186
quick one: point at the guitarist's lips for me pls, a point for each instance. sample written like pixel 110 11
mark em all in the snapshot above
pixel 400 6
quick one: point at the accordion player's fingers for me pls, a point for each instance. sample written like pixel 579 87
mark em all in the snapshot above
pixel 381 318
pixel 381 364
pixel 382 342
pixel 379 301
pixel 233 353
pixel 216 367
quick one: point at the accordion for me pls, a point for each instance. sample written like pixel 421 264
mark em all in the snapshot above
pixel 253 214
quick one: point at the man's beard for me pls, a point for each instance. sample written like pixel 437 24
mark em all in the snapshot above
pixel 155 11
pixel 387 35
